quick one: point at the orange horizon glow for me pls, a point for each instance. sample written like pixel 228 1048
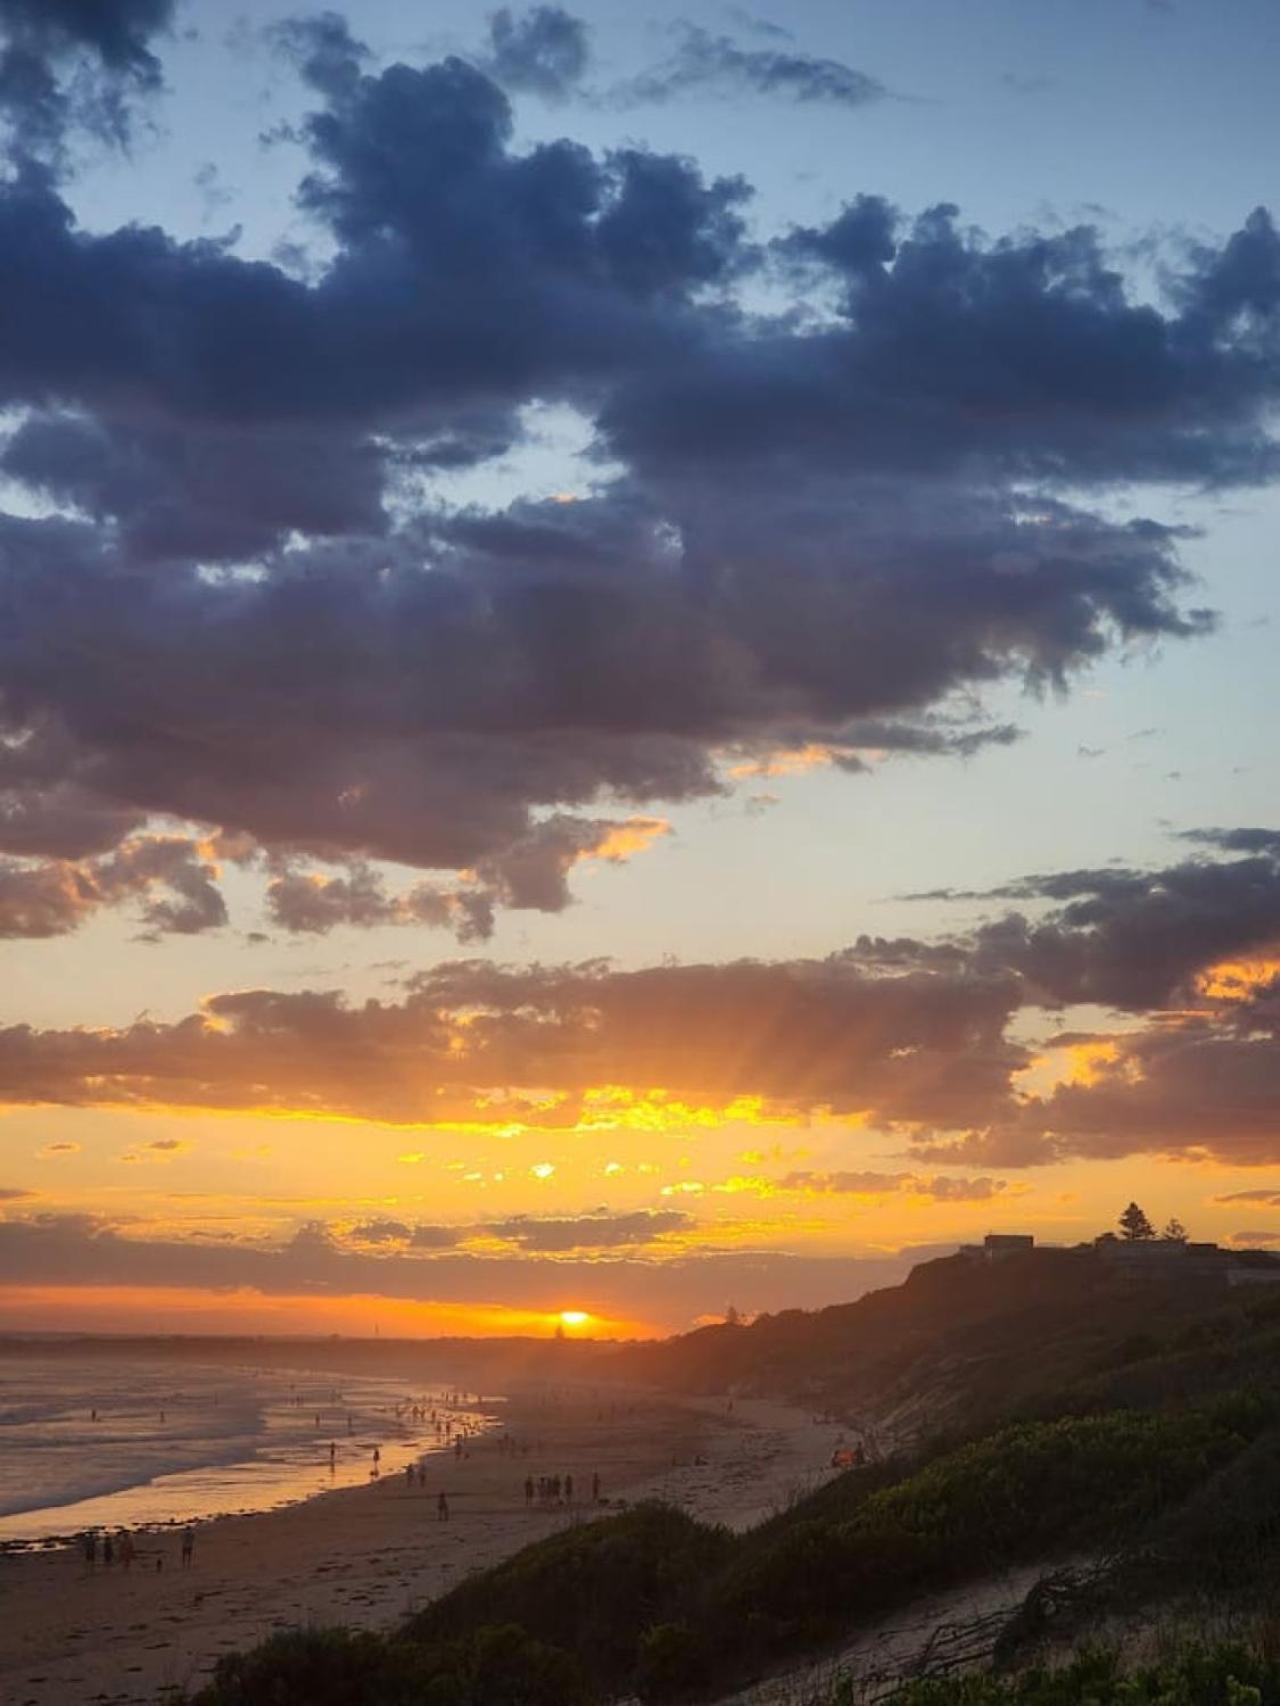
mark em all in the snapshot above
pixel 146 1310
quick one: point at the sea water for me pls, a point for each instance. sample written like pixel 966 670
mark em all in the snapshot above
pixel 132 1443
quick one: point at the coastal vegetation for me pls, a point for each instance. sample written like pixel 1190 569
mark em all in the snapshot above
pixel 1148 1454
pixel 653 1604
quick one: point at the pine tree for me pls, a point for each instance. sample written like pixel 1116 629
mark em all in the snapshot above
pixel 1175 1231
pixel 1134 1224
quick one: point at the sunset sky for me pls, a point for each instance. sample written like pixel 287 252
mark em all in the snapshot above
pixel 637 651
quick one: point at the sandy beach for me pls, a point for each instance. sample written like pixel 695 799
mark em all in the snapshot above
pixel 368 1557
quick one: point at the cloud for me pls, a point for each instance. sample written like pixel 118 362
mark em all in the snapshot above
pixel 544 51
pixel 171 877
pixel 599 1231
pixel 9 1194
pixel 531 874
pixel 67 64
pixel 322 47
pixel 1129 938
pixel 1268 1199
pixel 259 609
pixel 473 1042
pixel 537 1234
pixel 61 1250
pixel 716 64
pixel 939 1188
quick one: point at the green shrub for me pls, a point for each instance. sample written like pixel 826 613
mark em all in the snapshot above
pixel 327 1667
pixel 1225 1675
pixel 592 1589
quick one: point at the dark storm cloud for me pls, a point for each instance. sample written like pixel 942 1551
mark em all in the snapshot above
pixel 431 716
pixel 544 51
pixel 1124 937
pixel 69 63
pixel 324 50
pixel 119 32
pixel 208 492
pixel 826 527
pixel 1135 939
pixel 474 1041
pixel 1025 356
pixel 704 63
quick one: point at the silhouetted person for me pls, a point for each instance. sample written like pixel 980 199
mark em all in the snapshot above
pixel 188 1546
pixel 528 1489
pixel 442 1509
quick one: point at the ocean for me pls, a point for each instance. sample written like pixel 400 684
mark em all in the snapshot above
pixel 133 1443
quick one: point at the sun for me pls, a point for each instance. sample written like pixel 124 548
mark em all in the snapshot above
pixel 574 1317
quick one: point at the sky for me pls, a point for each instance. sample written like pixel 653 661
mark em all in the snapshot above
pixel 636 651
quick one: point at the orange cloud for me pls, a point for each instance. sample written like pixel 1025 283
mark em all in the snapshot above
pixel 622 841
pixel 1238 980
pixel 789 761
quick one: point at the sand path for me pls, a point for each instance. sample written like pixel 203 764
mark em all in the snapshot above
pixel 368 1557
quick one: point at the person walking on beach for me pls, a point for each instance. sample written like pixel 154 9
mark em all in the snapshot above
pixel 188 1546
pixel 333 1456
pixel 377 1460
pixel 442 1509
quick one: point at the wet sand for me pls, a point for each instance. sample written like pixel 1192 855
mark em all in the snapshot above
pixel 369 1557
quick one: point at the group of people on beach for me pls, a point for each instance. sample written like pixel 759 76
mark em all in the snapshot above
pixel 121 1548
pixel 556 1489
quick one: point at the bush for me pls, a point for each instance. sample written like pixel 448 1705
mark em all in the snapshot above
pixel 1225 1675
pixel 328 1667
pixel 592 1590
pixel 334 1667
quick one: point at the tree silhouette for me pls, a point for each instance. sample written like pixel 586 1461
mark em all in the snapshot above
pixel 1175 1231
pixel 1134 1224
